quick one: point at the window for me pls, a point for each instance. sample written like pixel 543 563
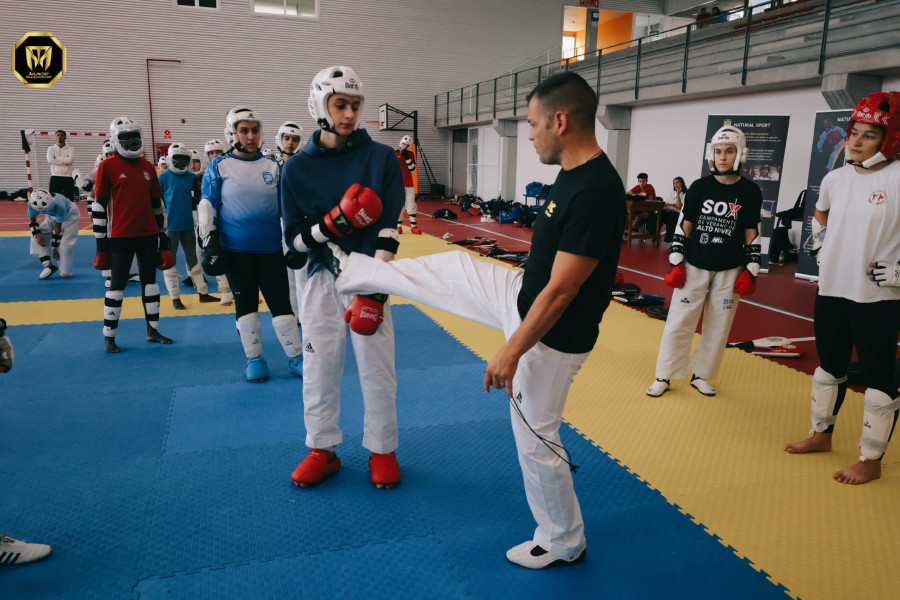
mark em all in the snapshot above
pixel 290 8
pixel 198 3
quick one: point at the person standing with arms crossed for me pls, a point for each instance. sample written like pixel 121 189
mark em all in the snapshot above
pixel 61 156
pixel 549 313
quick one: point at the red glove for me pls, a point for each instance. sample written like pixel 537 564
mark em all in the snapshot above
pixel 676 276
pixel 102 261
pixel 359 208
pixel 365 313
pixel 745 284
pixel 165 260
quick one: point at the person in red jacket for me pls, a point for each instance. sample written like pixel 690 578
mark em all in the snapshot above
pixel 130 219
pixel 407 167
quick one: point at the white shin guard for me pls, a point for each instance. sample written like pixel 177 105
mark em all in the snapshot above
pixel 170 276
pixel 879 418
pixel 288 334
pixel 112 308
pixel 150 296
pixel 199 282
pixel 827 396
pixel 250 330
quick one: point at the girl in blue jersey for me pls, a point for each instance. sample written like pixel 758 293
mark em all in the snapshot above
pixel 239 210
pixel 314 187
pixel 59 227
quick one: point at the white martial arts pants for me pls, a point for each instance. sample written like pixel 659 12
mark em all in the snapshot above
pixel 297 281
pixel 66 244
pixel 324 350
pixel 409 204
pixel 463 285
pixel 710 292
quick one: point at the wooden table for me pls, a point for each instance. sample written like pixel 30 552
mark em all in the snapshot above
pixel 639 206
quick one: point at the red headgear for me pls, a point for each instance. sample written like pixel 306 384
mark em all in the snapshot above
pixel 882 109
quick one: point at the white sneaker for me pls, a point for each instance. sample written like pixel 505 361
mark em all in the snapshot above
pixel 703 386
pixel 531 556
pixel 658 388
pixel 14 552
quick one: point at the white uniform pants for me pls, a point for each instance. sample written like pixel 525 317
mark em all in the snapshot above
pixel 297 282
pixel 460 284
pixel 324 350
pixel 711 292
pixel 66 244
pixel 410 206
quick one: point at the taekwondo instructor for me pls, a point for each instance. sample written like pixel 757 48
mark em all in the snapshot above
pixel 61 157
pixel 549 313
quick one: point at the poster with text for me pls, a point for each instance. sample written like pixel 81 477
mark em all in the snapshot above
pixel 766 136
pixel 826 155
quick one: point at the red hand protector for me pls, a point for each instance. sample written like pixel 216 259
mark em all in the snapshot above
pixel 102 261
pixel 745 284
pixel 676 277
pixel 364 314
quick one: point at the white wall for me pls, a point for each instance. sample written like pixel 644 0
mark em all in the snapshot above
pixel 405 53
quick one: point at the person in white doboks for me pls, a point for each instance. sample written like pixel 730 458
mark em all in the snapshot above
pixel 290 138
pixel 713 259
pixel 407 167
pixel 549 313
pixel 214 148
pixel 61 157
pixel 238 219
pixel 344 186
pixel 56 233
pixel 856 234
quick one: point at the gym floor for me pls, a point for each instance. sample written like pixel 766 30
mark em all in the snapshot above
pixel 160 473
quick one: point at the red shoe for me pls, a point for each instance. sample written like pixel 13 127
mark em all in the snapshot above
pixel 399 228
pixel 385 470
pixel 318 466
pixel 416 231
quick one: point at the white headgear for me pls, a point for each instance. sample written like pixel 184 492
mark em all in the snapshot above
pixel 215 145
pixel 333 80
pixel 179 158
pixel 406 140
pixel 108 148
pixel 162 163
pixel 41 201
pixel 126 137
pixel 235 116
pixel 290 128
pixel 727 135
pixel 270 152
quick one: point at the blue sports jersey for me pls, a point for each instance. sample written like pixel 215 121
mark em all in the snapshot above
pixel 244 192
pixel 58 212
pixel 176 189
pixel 315 179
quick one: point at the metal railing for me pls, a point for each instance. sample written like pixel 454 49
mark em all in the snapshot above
pixel 805 31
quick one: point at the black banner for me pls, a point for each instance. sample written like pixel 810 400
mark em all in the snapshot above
pixel 826 154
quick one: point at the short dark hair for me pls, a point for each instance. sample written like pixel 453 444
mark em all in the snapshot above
pixel 642 176
pixel 570 93
pixel 62 131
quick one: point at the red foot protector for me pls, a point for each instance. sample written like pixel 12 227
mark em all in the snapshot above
pixel 786 351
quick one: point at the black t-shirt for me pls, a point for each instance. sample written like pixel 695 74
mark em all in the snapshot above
pixel 720 213
pixel 583 215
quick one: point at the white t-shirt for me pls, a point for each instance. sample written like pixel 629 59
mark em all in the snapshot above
pixel 863 226
pixel 61 160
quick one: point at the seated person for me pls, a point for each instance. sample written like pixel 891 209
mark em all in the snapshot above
pixel 673 208
pixel 642 191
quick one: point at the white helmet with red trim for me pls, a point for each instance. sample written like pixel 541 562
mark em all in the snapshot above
pixel 333 80
pixel 883 110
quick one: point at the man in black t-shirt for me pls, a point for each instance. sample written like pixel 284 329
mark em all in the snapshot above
pixel 549 314
pixel 714 258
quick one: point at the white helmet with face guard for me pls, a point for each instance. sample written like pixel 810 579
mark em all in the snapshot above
pixel 235 116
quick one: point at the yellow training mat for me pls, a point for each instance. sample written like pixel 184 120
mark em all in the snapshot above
pixel 721 459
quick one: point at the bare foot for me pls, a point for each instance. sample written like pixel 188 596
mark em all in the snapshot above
pixel 111 347
pixel 157 337
pixel 66 276
pixel 208 298
pixel 386 486
pixel 226 303
pixel 861 472
pixel 819 442
pixel 176 302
